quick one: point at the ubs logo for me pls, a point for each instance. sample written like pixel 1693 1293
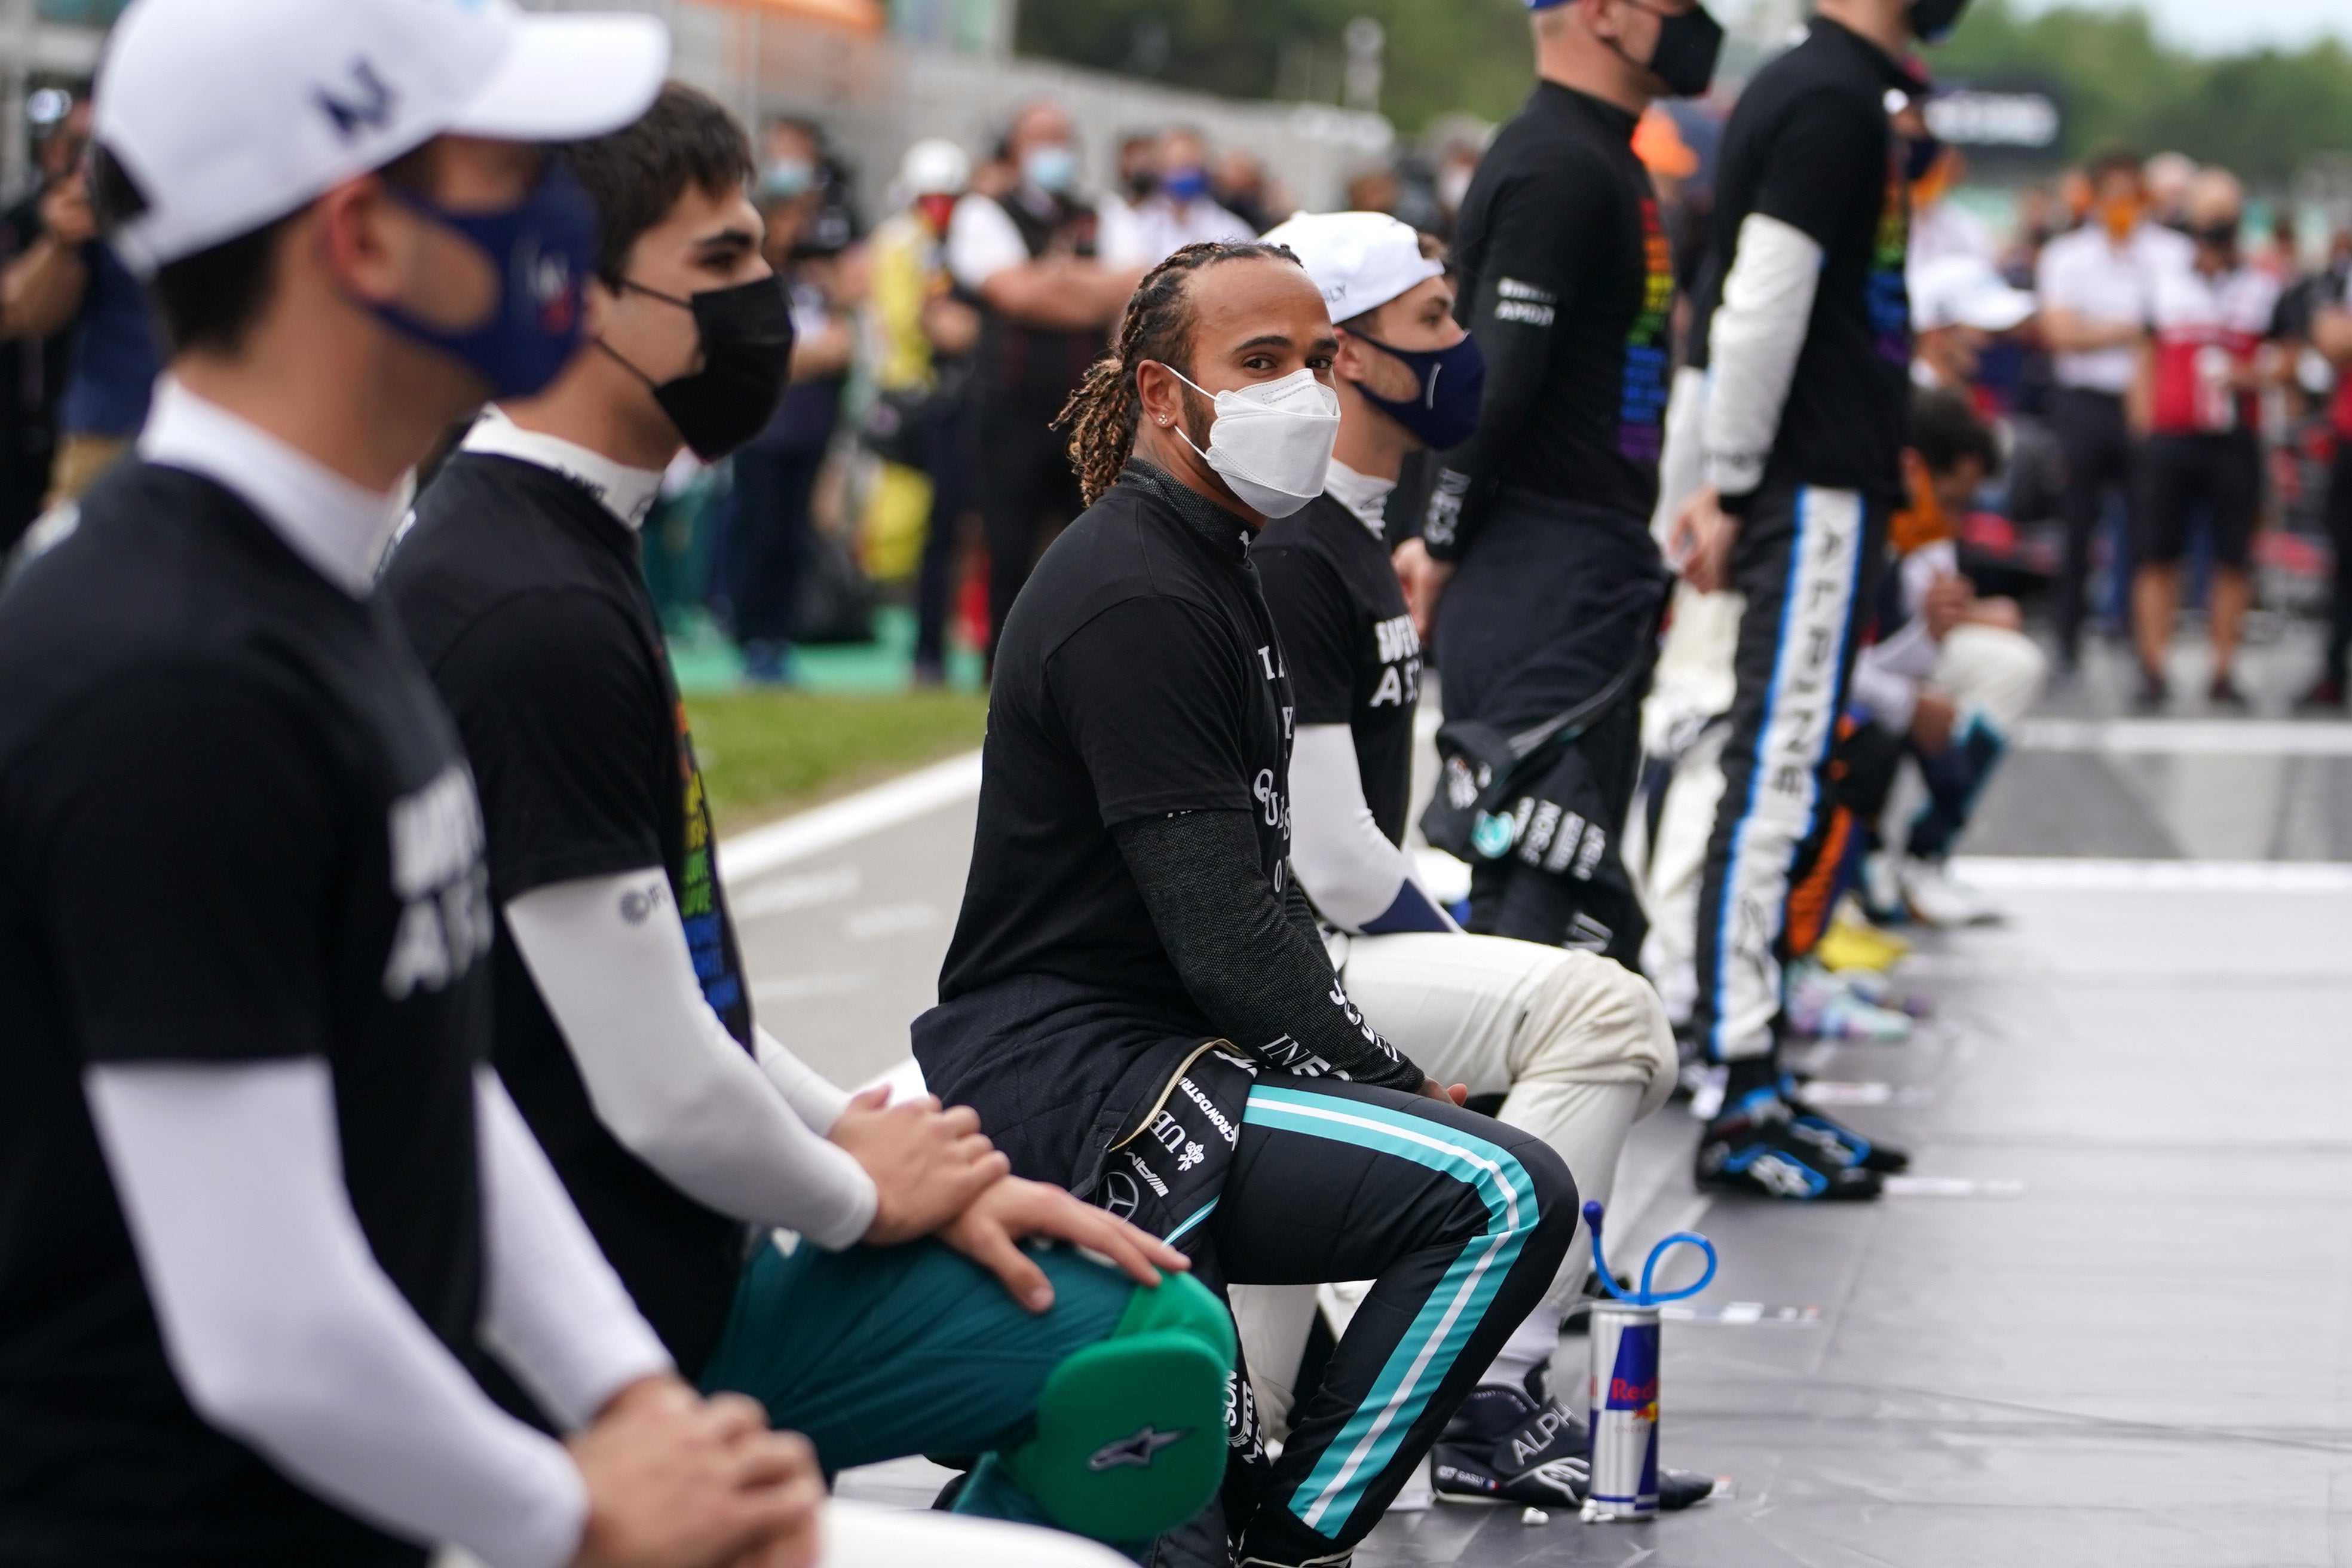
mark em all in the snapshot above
pixel 1270 800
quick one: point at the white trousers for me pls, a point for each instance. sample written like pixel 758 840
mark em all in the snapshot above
pixel 861 1535
pixel 1997 672
pixel 1578 1046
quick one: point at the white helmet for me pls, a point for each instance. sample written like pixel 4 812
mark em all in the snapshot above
pixel 935 167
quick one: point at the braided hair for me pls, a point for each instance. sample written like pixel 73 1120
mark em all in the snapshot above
pixel 1102 414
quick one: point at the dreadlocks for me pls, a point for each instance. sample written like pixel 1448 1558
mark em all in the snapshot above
pixel 1102 414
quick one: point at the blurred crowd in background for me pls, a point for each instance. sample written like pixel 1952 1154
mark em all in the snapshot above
pixel 2161 380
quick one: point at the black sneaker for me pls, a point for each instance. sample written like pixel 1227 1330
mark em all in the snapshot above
pixel 1838 1144
pixel 2224 694
pixel 2153 694
pixel 2325 695
pixel 1504 1446
pixel 1754 1148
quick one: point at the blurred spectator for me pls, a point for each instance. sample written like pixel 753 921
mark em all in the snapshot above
pixel 2093 286
pixel 1374 190
pixel 1241 186
pixel 2202 374
pixel 1959 305
pixel 68 278
pixel 1139 166
pixel 927 335
pixel 1940 227
pixel 1181 210
pixel 2331 336
pixel 1051 276
pixel 32 369
pixel 2169 175
pixel 1452 147
pixel 2037 223
pixel 764 562
pixel 2282 258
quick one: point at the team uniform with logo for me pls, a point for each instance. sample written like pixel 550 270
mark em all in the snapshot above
pixel 240 854
pixel 1575 1046
pixel 1141 1010
pixel 520 585
pixel 1810 159
pixel 1567 281
pixel 2204 443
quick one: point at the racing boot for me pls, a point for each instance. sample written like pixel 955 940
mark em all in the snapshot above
pixel 1757 1147
pixel 1505 1444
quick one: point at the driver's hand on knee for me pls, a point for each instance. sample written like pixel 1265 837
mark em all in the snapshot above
pixel 928 1165
pixel 991 1230
pixel 1458 1094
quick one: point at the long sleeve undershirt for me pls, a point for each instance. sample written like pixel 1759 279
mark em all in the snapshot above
pixel 667 1078
pixel 285 1332
pixel 1250 960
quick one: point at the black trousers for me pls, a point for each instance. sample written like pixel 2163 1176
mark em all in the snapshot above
pixel 2339 532
pixel 2097 446
pixel 1806 559
pixel 2219 475
pixel 1026 491
pixel 769 548
pixel 1460 1221
pixel 1554 604
pixel 949 452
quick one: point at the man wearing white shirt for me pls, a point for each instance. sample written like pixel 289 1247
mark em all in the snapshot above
pixel 2093 286
pixel 1179 211
pixel 266 1214
pixel 1052 272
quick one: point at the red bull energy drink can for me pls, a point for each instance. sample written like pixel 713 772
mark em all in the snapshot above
pixel 1624 1404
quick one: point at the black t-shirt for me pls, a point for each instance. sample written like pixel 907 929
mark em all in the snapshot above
pixel 1568 281
pixel 1139 676
pixel 234 827
pixel 1354 657
pixel 1810 145
pixel 525 599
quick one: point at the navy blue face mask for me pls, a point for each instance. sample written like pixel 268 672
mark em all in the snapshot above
pixel 1452 381
pixel 543 251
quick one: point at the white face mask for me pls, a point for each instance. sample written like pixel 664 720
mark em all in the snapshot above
pixel 1272 443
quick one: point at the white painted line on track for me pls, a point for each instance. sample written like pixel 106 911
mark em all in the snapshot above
pixel 812 832
pixel 2059 874
pixel 2188 737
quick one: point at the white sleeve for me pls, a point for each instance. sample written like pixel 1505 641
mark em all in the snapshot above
pixel 1357 879
pixel 981 242
pixel 1120 242
pixel 1891 697
pixel 1752 347
pixel 665 1076
pixel 285 1332
pixel 2053 277
pixel 814 1097
pixel 1682 469
pixel 552 1308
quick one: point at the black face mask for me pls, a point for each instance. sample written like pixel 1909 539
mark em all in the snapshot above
pixel 1919 157
pixel 1684 57
pixel 1932 21
pixel 2222 237
pixel 746 333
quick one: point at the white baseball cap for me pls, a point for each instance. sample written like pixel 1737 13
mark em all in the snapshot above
pixel 227 114
pixel 1965 291
pixel 935 167
pixel 1359 260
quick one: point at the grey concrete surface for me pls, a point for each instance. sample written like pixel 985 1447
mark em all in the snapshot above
pixel 2116 1327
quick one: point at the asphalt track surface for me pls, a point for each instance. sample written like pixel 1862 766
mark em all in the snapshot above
pixel 2111 1319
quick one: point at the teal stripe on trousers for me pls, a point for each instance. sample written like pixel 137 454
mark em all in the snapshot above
pixel 1372 1436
